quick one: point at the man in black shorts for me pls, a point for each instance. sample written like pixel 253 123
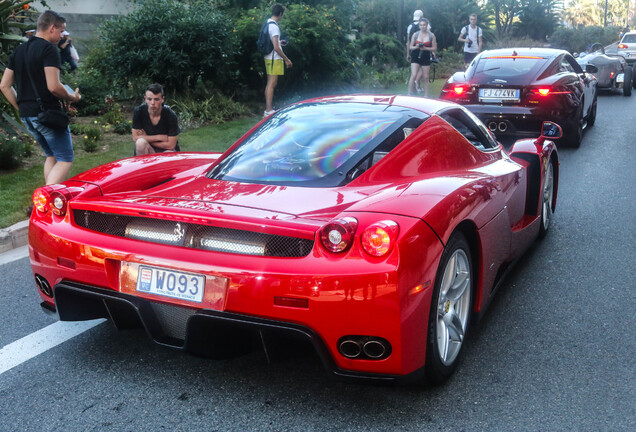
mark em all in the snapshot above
pixel 155 127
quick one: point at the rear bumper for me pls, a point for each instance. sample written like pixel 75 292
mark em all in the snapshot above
pixel 187 329
pixel 516 121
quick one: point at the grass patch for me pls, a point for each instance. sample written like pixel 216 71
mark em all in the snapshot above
pixel 17 186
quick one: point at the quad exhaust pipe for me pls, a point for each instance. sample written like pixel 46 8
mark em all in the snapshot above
pixel 364 347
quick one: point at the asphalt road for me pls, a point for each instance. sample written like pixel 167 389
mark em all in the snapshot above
pixel 555 351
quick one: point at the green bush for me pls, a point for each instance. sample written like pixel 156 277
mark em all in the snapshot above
pixel 166 41
pixel 13 149
pixel 92 134
pixel 577 40
pixel 380 51
pixel 77 129
pixel 92 86
pixel 122 128
pixel 193 112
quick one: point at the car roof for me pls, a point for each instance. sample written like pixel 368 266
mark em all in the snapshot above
pixel 425 105
pixel 536 51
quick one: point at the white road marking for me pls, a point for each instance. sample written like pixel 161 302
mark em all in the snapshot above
pixel 42 340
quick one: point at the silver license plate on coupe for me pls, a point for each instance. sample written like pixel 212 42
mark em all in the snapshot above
pixel 170 283
pixel 498 95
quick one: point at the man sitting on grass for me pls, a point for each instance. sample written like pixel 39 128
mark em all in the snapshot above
pixel 155 127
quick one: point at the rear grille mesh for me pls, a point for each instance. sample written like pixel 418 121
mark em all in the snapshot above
pixel 193 235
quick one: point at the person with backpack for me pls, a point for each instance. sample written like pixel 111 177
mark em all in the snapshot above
pixel 471 37
pixel 269 44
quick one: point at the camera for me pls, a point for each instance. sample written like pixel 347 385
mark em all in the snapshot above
pixel 421 45
pixel 470 43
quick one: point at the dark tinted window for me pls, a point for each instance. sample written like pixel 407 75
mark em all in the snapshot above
pixel 520 67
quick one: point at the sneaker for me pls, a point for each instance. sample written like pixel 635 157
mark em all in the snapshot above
pixel 419 89
pixel 268 113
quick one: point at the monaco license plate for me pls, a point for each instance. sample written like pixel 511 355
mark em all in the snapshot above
pixel 497 95
pixel 170 283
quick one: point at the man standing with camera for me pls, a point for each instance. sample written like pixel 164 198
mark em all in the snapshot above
pixel 34 68
pixel 471 36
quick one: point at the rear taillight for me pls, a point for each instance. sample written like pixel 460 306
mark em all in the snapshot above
pixel 337 236
pixel 546 91
pixel 378 238
pixel 55 198
pixel 612 74
pixel 623 46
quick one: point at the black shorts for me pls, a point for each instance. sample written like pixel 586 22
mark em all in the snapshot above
pixel 421 57
pixel 468 57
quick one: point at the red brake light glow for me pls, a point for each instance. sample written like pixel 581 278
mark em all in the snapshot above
pixel 546 91
pixel 516 57
pixel 337 236
pixel 459 90
pixel 378 239
pixel 612 75
pixel 55 198
pixel 41 199
pixel 623 46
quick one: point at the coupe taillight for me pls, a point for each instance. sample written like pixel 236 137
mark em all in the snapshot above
pixel 547 91
pixel 337 236
pixel 623 46
pixel 55 199
pixel 378 238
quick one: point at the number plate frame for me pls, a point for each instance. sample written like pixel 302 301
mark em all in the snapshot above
pixel 171 283
pixel 495 95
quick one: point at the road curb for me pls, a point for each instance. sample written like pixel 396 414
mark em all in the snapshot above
pixel 15 236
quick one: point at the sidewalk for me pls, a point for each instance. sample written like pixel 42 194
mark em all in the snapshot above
pixel 15 236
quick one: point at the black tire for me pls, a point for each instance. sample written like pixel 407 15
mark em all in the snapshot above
pixel 591 118
pixel 575 131
pixel 449 315
pixel 547 199
pixel 628 76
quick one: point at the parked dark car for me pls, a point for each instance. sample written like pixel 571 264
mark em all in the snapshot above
pixel 513 90
pixel 613 71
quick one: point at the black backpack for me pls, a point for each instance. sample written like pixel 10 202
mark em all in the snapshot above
pixel 413 28
pixel 264 43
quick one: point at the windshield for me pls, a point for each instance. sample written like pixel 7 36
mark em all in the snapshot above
pixel 518 67
pixel 309 142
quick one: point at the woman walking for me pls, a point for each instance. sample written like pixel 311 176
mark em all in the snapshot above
pixel 423 44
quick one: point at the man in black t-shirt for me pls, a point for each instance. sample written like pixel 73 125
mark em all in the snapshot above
pixel 155 127
pixel 42 58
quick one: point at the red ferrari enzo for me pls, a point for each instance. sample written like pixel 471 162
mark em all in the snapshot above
pixel 374 227
pixel 514 90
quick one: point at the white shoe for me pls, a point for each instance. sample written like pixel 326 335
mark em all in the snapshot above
pixel 419 90
pixel 268 113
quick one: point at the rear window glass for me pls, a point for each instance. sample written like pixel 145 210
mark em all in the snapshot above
pixel 630 38
pixel 509 67
pixel 309 142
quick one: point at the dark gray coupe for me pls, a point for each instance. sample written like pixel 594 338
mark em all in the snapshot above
pixel 613 71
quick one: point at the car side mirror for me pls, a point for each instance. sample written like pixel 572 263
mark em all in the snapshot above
pixel 575 55
pixel 590 68
pixel 549 130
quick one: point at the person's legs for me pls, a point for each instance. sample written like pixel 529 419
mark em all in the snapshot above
pixel 142 147
pixel 57 146
pixel 272 80
pixel 58 173
pixel 415 70
pixel 418 80
pixel 425 75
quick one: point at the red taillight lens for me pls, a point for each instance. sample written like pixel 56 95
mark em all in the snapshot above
pixel 459 89
pixel 546 91
pixel 337 236
pixel 543 91
pixel 612 75
pixel 378 239
pixel 42 199
pixel 55 198
pixel 623 46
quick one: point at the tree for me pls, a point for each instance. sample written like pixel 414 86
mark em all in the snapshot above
pixel 537 19
pixel 504 12
pixel 582 12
